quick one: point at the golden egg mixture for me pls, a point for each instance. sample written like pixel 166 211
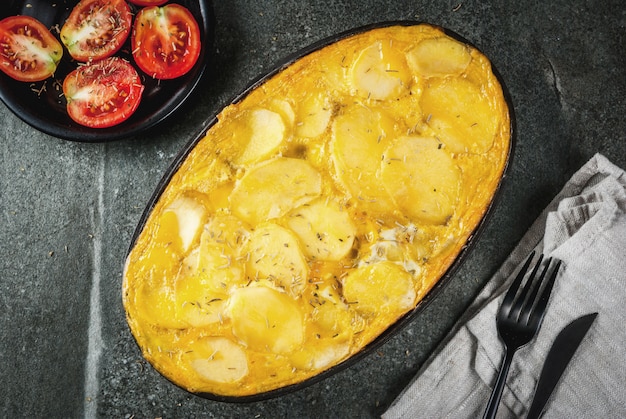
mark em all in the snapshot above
pixel 317 211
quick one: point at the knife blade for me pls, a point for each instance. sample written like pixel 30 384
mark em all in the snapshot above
pixel 563 349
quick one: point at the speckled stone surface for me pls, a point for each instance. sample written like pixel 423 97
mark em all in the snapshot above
pixel 68 209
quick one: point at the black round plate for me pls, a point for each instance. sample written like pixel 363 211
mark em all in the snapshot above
pixel 43 106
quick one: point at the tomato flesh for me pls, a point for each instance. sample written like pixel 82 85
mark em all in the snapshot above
pixel 28 51
pixel 103 93
pixel 148 2
pixel 96 29
pixel 165 41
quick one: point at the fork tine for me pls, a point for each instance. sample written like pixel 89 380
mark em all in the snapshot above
pixel 522 300
pixel 536 315
pixel 535 283
pixel 510 295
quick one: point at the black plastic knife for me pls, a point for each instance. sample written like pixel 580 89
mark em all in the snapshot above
pixel 561 352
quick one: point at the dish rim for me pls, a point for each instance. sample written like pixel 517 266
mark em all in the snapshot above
pixel 432 294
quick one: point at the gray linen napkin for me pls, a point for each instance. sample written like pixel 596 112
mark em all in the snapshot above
pixel 585 227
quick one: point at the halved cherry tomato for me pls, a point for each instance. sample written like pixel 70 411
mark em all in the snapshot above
pixel 165 41
pixel 96 29
pixel 28 51
pixel 103 93
pixel 148 2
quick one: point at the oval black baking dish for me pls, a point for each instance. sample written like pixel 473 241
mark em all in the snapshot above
pixel 434 291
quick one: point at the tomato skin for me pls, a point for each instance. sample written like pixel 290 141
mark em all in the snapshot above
pixel 165 41
pixel 148 2
pixel 103 93
pixel 96 29
pixel 28 51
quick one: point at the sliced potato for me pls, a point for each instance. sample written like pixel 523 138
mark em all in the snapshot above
pixel 329 332
pixel 460 114
pixel 215 261
pixel 226 231
pixel 325 230
pixel 273 253
pixel 438 57
pixel 218 359
pixel 332 317
pixel 380 72
pixel 381 289
pixel 284 108
pixel 266 320
pixel 200 290
pixel 158 306
pixel 312 116
pixel 198 305
pixel 258 132
pixel 210 271
pixel 422 178
pixel 360 136
pixel 218 266
pixel 273 188
pixel 320 355
pixel 190 215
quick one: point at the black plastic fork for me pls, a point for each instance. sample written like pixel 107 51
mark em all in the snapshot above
pixel 520 317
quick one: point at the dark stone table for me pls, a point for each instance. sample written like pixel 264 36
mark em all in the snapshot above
pixel 68 209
